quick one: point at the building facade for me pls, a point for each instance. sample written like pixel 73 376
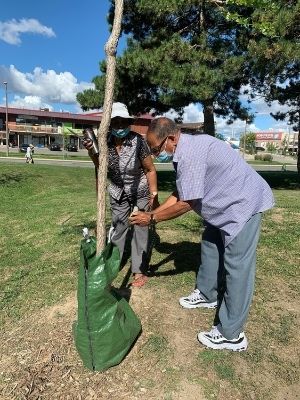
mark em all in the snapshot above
pixel 277 141
pixel 43 127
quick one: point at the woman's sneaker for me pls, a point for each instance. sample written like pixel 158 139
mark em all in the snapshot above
pixel 215 340
pixel 195 300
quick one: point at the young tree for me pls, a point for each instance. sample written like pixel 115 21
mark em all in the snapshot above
pixel 110 50
pixel 180 52
pixel 247 140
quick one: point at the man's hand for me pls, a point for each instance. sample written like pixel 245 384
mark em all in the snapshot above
pixel 140 218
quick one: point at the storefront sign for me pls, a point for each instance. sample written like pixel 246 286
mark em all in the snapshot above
pixel 269 135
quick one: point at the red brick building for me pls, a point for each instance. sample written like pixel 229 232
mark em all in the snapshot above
pixel 43 127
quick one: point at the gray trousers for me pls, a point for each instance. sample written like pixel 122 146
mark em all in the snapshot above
pixel 121 210
pixel 228 274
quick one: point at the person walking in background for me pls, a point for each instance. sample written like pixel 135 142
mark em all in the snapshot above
pixel 133 183
pixel 28 155
pixel 215 182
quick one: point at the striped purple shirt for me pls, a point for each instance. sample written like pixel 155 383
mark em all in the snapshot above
pixel 226 190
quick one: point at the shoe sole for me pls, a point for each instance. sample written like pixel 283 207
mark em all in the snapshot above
pixel 227 346
pixel 200 305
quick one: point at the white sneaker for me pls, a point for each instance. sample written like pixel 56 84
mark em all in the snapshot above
pixel 195 300
pixel 215 340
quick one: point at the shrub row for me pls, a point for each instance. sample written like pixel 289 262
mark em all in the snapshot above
pixel 263 157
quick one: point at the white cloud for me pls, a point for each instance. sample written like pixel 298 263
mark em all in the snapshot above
pixel 10 31
pixel 50 86
pixel 29 102
pixel 260 107
pixel 192 113
pixel 258 104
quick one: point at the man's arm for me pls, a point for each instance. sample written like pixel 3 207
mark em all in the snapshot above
pixel 161 214
pixel 170 201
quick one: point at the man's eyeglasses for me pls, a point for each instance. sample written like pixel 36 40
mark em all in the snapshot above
pixel 156 150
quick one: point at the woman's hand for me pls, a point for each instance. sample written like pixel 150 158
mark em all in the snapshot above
pixel 87 143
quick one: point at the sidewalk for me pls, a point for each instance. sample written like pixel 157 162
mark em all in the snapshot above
pixel 276 157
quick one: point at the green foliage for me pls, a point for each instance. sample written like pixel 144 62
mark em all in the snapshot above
pixel 271 147
pixel 179 52
pixel 262 18
pixel 248 140
pixel 263 157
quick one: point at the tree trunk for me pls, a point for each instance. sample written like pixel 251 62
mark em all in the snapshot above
pixel 298 152
pixel 110 50
pixel 209 122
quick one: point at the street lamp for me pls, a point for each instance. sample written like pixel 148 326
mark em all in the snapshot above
pixel 244 141
pixel 6 120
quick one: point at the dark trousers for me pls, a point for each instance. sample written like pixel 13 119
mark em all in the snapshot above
pixel 121 210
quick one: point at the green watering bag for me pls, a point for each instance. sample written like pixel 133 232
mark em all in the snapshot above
pixel 107 326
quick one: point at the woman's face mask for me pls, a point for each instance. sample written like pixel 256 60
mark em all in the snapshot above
pixel 120 133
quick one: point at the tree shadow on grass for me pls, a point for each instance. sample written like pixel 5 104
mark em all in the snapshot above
pixel 186 257
pixel 276 179
pixel 67 229
pixel 8 178
pixel 166 180
pixel 282 179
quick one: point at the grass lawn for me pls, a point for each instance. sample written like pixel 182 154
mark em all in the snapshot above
pixel 42 212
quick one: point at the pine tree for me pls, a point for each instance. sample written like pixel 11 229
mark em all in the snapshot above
pixel 180 52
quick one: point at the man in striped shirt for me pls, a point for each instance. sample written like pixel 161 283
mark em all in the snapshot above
pixel 214 181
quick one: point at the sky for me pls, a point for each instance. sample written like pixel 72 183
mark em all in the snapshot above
pixel 50 51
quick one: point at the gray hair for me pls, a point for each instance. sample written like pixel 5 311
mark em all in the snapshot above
pixel 162 127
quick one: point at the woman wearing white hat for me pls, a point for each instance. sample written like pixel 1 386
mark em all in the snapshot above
pixel 133 183
pixel 28 155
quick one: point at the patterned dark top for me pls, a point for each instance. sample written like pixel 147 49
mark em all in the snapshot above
pixel 125 170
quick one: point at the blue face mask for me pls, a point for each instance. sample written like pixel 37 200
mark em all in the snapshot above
pixel 164 156
pixel 120 133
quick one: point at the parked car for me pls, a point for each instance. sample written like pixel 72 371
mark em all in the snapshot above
pixel 55 147
pixel 72 147
pixel 23 148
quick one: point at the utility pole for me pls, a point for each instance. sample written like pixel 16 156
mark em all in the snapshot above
pixel 6 120
pixel 244 141
pixel 294 141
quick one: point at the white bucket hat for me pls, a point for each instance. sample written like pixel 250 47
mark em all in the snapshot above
pixel 120 110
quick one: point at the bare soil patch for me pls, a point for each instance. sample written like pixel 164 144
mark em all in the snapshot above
pixel 39 360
